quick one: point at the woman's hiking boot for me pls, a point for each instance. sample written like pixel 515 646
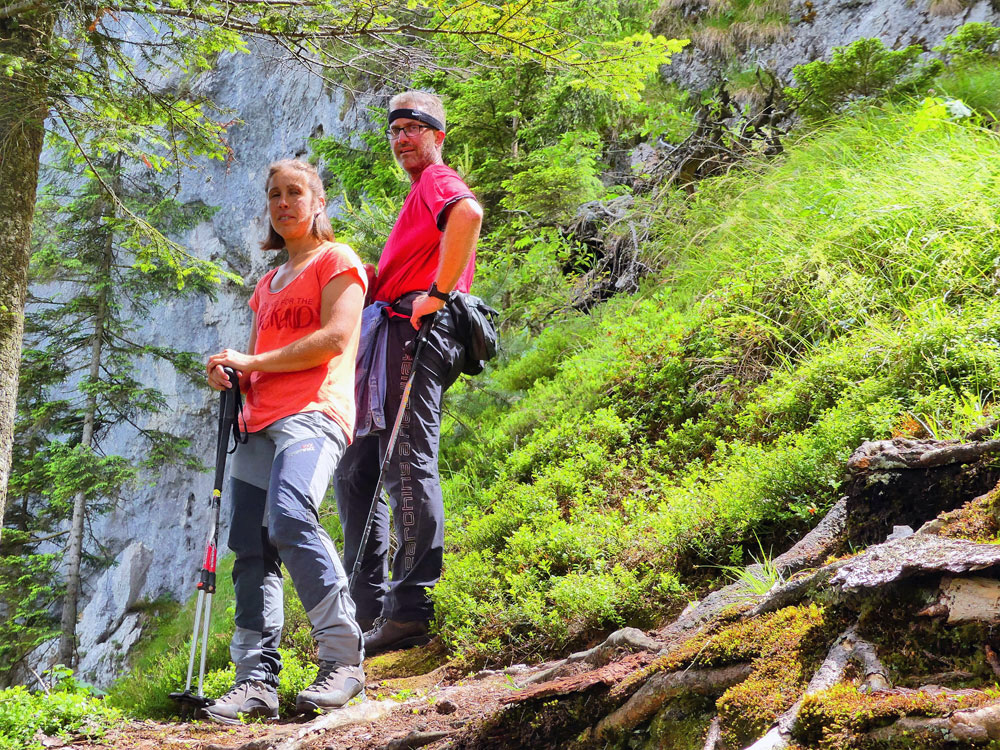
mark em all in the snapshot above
pixel 389 635
pixel 334 686
pixel 251 699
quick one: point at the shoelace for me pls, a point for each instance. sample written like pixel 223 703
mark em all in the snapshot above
pixel 378 623
pixel 238 687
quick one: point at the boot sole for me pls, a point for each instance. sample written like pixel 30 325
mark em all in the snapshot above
pixel 307 707
pixel 236 722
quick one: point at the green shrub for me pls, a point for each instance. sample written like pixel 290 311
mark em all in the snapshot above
pixel 69 710
pixel 864 69
pixel 971 43
pixel 554 180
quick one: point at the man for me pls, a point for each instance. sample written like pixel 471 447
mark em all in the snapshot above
pixel 429 254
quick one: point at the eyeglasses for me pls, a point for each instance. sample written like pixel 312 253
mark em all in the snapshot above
pixel 412 131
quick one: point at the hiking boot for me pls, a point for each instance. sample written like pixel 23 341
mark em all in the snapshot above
pixel 389 635
pixel 251 698
pixel 333 687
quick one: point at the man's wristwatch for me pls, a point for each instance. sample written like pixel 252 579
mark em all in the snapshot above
pixel 438 294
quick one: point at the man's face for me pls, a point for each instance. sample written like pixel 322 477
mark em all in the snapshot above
pixel 419 151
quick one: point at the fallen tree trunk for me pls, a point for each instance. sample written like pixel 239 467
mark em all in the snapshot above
pixel 907 482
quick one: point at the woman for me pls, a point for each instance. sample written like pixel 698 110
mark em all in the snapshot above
pixel 298 374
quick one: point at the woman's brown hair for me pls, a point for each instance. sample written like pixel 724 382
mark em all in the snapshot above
pixel 321 228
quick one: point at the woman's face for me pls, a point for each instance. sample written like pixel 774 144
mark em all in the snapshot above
pixel 291 205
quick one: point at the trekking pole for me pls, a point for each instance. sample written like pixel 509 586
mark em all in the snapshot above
pixel 425 329
pixel 230 403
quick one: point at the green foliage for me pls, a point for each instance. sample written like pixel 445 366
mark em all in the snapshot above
pixel 554 180
pixel 811 304
pixel 68 710
pixel 28 584
pixel 864 69
pixel 971 44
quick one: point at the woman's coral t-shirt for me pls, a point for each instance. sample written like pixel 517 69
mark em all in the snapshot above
pixel 288 315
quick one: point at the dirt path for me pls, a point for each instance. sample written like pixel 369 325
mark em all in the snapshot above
pixel 400 712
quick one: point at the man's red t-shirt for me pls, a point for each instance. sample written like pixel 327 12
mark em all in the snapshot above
pixel 409 260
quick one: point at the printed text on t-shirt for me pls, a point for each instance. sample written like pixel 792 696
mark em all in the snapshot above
pixel 287 313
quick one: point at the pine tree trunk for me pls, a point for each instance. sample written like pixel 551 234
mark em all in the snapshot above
pixel 22 121
pixel 74 555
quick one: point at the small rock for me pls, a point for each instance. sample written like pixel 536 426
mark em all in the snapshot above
pixel 899 532
pixel 446 707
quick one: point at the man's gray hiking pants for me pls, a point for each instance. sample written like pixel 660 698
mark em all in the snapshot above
pixel 411 481
pixel 278 480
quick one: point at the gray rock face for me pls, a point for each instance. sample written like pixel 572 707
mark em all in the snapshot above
pixel 820 25
pixel 107 628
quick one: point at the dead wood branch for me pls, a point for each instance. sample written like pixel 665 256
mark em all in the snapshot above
pixel 971 598
pixel 904 453
pixel 663 686
pixel 363 713
pixel 795 590
pixel 605 676
pixel 909 482
pixel 725 135
pixel 920 554
pixel 616 235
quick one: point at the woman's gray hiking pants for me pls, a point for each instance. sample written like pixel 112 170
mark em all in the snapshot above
pixel 278 480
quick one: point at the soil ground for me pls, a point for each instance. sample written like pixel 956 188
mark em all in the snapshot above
pixel 427 698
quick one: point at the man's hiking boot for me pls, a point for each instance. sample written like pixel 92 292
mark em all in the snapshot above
pixel 390 635
pixel 333 687
pixel 250 698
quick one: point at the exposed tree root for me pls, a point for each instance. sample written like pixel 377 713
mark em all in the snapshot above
pixel 827 538
pixel 969 725
pixel 626 639
pixel 663 686
pixel 846 649
pixel 714 736
pixel 365 712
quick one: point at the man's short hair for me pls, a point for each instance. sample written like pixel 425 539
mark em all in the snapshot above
pixel 423 100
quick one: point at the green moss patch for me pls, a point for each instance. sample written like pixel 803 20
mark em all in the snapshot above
pixel 837 718
pixel 412 662
pixel 977 520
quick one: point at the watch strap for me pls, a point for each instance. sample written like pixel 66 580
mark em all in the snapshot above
pixel 437 293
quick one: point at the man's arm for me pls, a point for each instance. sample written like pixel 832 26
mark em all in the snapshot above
pixel 340 309
pixel 461 233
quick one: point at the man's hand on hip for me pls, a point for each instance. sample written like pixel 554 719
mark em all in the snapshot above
pixel 424 305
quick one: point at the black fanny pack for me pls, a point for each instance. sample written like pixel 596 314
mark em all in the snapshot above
pixel 476 327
